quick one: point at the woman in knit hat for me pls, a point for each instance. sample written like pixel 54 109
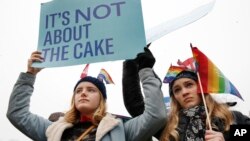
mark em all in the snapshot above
pixel 87 119
pixel 186 119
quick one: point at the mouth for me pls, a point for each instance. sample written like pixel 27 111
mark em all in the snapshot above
pixel 189 99
pixel 83 100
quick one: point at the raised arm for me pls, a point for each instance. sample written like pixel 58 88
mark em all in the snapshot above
pixel 131 89
pixel 153 118
pixel 18 111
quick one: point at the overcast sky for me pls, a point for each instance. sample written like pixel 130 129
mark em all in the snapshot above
pixel 223 35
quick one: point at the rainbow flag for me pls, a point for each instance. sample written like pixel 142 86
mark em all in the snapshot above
pixel 103 75
pixel 172 72
pixel 212 79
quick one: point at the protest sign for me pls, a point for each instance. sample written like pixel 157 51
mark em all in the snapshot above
pixel 76 32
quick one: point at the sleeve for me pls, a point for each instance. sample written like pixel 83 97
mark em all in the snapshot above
pixel 18 111
pixel 131 89
pixel 153 118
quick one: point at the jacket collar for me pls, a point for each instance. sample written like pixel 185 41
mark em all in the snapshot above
pixel 107 124
pixel 55 130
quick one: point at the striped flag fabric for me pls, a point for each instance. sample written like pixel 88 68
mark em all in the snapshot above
pixel 187 65
pixel 172 72
pixel 212 79
pixel 104 75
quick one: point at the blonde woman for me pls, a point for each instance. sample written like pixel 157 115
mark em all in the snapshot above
pixel 186 119
pixel 87 119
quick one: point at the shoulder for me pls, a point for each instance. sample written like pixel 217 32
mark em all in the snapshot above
pixel 240 118
pixel 122 117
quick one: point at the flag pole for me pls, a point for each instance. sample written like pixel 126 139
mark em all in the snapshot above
pixel 202 95
pixel 204 101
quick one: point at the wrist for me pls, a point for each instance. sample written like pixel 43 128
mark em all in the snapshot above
pixel 29 72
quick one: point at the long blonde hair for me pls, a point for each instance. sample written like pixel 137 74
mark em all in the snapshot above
pixel 215 110
pixel 73 115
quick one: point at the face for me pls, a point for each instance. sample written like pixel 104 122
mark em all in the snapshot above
pixel 87 98
pixel 185 92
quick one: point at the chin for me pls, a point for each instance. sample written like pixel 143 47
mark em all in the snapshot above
pixel 81 107
pixel 191 105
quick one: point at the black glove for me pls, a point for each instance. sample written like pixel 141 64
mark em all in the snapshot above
pixel 145 59
pixel 131 90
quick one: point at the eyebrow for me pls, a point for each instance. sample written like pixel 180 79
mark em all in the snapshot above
pixel 88 87
pixel 187 81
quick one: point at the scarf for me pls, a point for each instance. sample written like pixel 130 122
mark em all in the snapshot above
pixel 195 128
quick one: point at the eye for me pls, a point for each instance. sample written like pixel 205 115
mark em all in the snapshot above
pixel 189 84
pixel 92 90
pixel 78 91
pixel 176 90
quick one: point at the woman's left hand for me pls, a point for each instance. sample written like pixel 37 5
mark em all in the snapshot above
pixel 214 136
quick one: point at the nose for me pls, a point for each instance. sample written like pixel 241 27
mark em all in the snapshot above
pixel 185 92
pixel 83 93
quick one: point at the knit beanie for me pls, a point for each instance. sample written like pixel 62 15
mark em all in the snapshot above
pixel 99 84
pixel 183 74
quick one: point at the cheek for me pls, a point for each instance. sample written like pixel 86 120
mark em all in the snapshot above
pixel 95 100
pixel 198 98
pixel 178 98
pixel 76 100
pixel 194 90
